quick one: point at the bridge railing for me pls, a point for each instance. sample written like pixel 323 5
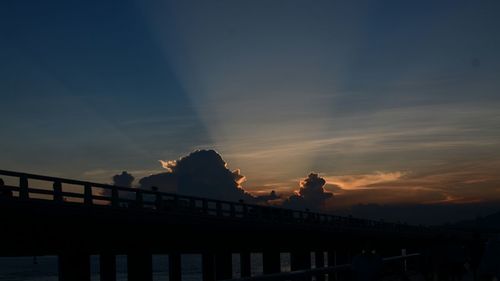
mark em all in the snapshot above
pixel 62 191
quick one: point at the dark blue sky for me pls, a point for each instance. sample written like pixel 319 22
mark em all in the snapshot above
pixel 385 95
pixel 77 76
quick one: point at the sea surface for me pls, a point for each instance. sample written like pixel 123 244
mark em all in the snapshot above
pixel 45 268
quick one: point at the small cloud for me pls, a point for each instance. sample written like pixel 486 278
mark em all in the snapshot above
pixel 238 177
pixel 124 179
pixel 168 164
pixel 272 196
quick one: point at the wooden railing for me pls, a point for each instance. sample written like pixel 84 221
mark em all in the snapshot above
pixel 66 191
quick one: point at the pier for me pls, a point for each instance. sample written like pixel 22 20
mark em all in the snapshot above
pixel 73 219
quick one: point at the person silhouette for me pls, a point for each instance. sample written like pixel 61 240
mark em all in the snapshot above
pixel 4 191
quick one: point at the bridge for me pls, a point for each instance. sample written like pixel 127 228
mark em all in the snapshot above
pixel 74 219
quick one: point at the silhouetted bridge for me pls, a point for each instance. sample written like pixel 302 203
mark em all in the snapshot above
pixel 74 219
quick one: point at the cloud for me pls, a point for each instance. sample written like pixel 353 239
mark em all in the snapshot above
pixel 124 179
pixel 201 173
pixel 204 173
pixel 311 195
pixel 364 180
pixel 442 193
pixel 165 182
pixel 458 183
pixel 384 196
pixel 268 198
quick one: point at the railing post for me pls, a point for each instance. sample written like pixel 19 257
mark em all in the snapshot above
pixel 245 210
pixel 205 206
pixel 158 201
pixel 176 202
pixel 174 267
pixel 107 265
pixel 271 261
pixel 332 261
pixel 139 198
pixel 308 217
pixel 323 219
pixel 343 256
pixel 312 217
pixel 208 266
pixel 223 266
pixel 319 262
pixel 3 191
pixel 57 189
pixel 192 204
pixel 301 216
pixel 74 267
pixel 23 188
pixel 232 210
pixel 404 261
pixel 87 194
pixel 300 259
pixel 218 207
pixel 140 267
pixel 258 211
pixel 114 197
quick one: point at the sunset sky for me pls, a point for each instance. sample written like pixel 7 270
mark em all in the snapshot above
pixel 391 102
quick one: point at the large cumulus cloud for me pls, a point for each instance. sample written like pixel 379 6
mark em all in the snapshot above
pixel 201 173
pixel 311 195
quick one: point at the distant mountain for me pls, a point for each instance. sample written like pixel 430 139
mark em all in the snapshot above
pixel 489 223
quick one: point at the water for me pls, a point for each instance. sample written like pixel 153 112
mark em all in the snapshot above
pixel 45 269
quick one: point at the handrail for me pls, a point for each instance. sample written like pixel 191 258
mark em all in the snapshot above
pixel 304 273
pixel 170 201
pixel 294 274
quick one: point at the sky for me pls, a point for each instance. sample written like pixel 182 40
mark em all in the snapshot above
pixel 391 102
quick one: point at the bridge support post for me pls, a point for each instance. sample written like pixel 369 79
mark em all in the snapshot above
pixel 140 267
pixel 404 263
pixel 245 264
pixel 174 267
pixel 391 249
pixel 208 267
pixel 223 266
pixel 332 261
pixel 344 255
pixel 107 265
pixel 271 261
pixel 319 262
pixel 300 259
pixel 23 188
pixel 74 267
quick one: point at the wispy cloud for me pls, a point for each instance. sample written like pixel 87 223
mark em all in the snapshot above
pixel 462 183
pixel 364 181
